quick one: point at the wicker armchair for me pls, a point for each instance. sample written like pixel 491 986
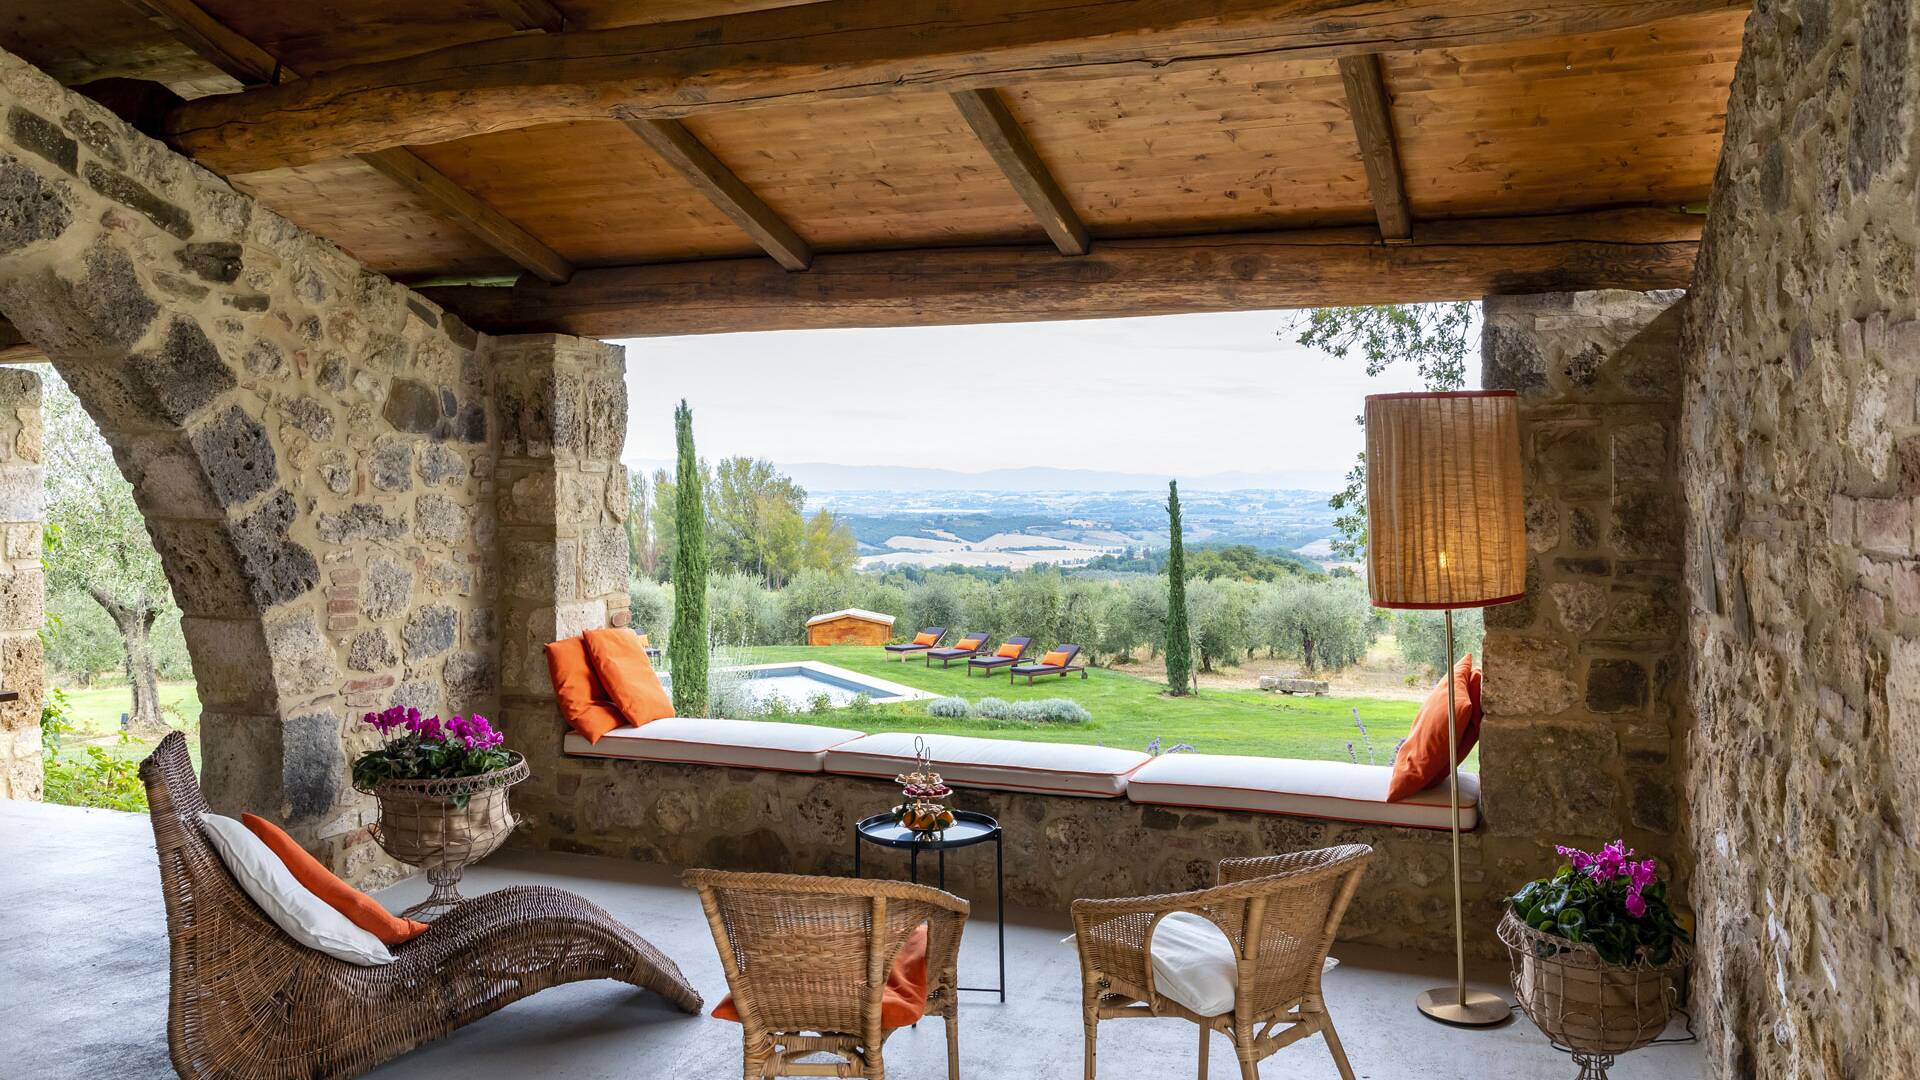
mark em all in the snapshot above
pixel 1280 912
pixel 807 957
pixel 250 1002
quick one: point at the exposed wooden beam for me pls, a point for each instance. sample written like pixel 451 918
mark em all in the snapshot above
pixel 691 159
pixel 1379 151
pixel 15 348
pixel 1001 134
pixel 530 15
pixel 1449 260
pixel 834 49
pixel 252 65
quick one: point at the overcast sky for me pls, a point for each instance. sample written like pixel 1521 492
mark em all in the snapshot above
pixel 1186 394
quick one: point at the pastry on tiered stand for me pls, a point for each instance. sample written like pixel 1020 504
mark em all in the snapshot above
pixel 924 811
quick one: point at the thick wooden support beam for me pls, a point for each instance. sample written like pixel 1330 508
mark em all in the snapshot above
pixel 530 15
pixel 1449 260
pixel 833 49
pixel 252 65
pixel 691 159
pixel 1379 152
pixel 1000 133
pixel 15 348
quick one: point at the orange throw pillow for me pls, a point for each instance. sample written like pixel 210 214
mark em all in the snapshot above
pixel 925 639
pixel 1056 658
pixel 621 663
pixel 360 909
pixel 583 701
pixel 1009 651
pixel 644 641
pixel 904 1000
pixel 968 643
pixel 1422 762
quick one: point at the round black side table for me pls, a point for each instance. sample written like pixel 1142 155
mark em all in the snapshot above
pixel 968 829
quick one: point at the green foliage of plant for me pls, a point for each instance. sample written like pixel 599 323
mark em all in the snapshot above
pixel 95 777
pixel 1435 337
pixel 429 749
pixel 688 644
pixel 1421 637
pixel 755 524
pixel 1326 624
pixel 1179 645
pixel 950 708
pixel 650 606
pixel 1609 900
pixel 993 708
pixel 1051 711
pixel 998 712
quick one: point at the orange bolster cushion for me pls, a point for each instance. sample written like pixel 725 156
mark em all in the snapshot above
pixel 1056 658
pixel 904 1000
pixel 360 909
pixel 583 701
pixel 1422 761
pixel 621 662
pixel 925 639
pixel 968 643
pixel 1009 651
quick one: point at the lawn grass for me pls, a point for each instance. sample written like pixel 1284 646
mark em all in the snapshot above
pixel 95 714
pixel 1128 712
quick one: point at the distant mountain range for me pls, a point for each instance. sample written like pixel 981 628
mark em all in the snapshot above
pixel 824 476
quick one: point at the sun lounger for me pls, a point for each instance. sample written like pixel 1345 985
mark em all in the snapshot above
pixel 924 640
pixel 969 645
pixel 1058 662
pixel 1010 652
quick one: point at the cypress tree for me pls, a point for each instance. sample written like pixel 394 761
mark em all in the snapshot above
pixel 687 647
pixel 1179 646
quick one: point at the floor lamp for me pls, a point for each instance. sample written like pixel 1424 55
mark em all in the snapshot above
pixel 1447 529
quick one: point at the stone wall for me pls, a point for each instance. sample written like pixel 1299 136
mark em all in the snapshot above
pixel 22 593
pixel 1586 693
pixel 1802 465
pixel 312 445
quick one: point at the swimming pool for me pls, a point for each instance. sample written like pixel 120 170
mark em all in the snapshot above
pixel 799 684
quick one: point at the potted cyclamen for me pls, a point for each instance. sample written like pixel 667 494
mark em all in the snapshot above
pixel 442 787
pixel 1597 954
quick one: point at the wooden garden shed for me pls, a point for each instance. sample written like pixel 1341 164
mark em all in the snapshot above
pixel 850 626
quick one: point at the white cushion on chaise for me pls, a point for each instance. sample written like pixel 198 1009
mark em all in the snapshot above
pixel 1336 790
pixel 1004 764
pixel 746 744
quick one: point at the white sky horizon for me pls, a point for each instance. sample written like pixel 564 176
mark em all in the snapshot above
pixel 1181 395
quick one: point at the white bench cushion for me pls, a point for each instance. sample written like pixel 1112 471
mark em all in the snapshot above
pixel 746 744
pixel 1006 764
pixel 1336 790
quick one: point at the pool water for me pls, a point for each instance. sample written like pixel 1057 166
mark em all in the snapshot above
pixel 800 686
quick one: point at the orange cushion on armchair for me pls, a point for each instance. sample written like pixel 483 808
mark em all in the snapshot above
pixel 1422 761
pixel 902 1003
pixel 620 661
pixel 360 909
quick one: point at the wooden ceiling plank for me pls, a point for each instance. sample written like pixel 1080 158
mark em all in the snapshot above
pixel 1010 148
pixel 1372 114
pixel 251 64
pixel 1448 260
pixel 15 348
pixel 833 49
pixel 690 158
pixel 530 15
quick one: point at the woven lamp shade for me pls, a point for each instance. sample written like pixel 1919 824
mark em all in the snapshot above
pixel 1445 512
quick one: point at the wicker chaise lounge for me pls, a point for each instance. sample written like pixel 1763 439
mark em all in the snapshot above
pixel 967 646
pixel 1011 651
pixel 1278 913
pixel 250 1003
pixel 1064 658
pixel 927 638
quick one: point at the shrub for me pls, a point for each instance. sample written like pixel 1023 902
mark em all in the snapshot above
pixel 950 708
pixel 992 708
pixel 1051 711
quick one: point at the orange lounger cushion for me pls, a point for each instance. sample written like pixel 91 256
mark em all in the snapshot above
pixel 360 909
pixel 925 639
pixel 583 701
pixel 968 643
pixel 902 1003
pixel 1011 652
pixel 620 662
pixel 1056 658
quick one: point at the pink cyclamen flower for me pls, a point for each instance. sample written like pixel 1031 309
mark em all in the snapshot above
pixel 1636 906
pixel 1611 861
pixel 1641 874
pixel 1579 860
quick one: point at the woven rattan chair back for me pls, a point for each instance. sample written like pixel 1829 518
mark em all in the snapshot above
pixel 1280 913
pixel 806 960
pixel 248 1002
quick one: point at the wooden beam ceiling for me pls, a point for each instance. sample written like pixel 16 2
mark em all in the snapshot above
pixel 690 158
pixel 1379 153
pixel 833 49
pixel 254 66
pixel 530 15
pixel 15 348
pixel 1010 148
pixel 1454 260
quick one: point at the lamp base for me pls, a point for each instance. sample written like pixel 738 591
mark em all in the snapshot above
pixel 1477 1009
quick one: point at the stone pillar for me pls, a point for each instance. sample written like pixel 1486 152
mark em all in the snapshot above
pixel 22 595
pixel 560 496
pixel 1586 698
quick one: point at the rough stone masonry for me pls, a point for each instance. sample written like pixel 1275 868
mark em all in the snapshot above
pixel 1801 461
pixel 313 448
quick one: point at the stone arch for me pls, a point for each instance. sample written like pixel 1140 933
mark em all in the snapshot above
pixel 308 441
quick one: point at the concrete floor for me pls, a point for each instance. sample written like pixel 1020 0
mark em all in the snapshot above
pixel 83 969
